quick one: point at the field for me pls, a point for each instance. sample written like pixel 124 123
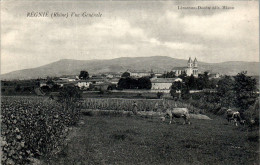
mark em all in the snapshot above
pixel 112 139
pixel 43 131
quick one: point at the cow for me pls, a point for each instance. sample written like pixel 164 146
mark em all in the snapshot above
pixel 234 116
pixel 178 113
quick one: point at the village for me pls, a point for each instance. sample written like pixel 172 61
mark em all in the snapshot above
pixel 158 81
pixel 153 81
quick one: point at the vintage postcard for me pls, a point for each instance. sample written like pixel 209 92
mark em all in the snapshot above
pixel 130 82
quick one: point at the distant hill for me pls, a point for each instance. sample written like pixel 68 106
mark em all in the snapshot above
pixel 157 63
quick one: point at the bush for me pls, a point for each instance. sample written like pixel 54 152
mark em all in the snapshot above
pixel 159 95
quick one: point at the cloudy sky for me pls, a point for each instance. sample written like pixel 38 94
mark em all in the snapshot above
pixel 127 29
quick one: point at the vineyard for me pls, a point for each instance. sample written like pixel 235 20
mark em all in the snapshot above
pixel 32 127
pixel 127 104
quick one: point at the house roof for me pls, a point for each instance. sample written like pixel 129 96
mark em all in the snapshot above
pixel 140 71
pixel 165 80
pixel 103 84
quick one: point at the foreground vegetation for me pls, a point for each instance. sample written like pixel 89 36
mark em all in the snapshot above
pixel 32 127
pixel 134 140
pixel 238 92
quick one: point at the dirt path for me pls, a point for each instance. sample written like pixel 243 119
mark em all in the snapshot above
pixel 137 140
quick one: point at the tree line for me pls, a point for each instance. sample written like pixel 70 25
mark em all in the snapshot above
pixel 236 92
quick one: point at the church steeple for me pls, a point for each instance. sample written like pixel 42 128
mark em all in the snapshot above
pixel 190 63
pixel 195 63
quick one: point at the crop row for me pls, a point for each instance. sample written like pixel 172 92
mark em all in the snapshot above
pixel 128 104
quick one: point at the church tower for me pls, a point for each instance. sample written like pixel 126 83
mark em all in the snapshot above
pixel 195 71
pixel 190 64
pixel 195 63
pixel 189 70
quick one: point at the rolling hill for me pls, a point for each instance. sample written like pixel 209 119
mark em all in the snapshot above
pixel 157 63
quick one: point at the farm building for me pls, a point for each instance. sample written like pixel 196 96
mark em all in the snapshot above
pixel 163 83
pixel 214 75
pixel 83 84
pixel 139 73
pixel 102 86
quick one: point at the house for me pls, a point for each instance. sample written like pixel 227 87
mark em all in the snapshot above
pixel 83 84
pixel 43 83
pixel 156 73
pixel 109 76
pixel 139 74
pixel 96 80
pixel 102 86
pixel 114 81
pixel 163 83
pixel 68 79
pixel 214 75
pixel 179 70
pixel 61 82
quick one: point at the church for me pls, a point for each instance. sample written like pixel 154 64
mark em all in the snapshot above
pixel 191 69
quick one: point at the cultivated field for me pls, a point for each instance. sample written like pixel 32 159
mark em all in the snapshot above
pixel 38 127
pixel 116 139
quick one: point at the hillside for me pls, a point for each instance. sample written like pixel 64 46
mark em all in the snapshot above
pixel 157 63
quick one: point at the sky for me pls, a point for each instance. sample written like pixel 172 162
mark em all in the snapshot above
pixel 127 29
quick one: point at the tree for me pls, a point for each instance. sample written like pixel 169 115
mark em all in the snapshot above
pixel 225 91
pixel 18 88
pixel 69 94
pixel 159 95
pixel 125 74
pixel 69 97
pixel 170 74
pixel 183 75
pixel 176 89
pixel 191 82
pixel 83 75
pixel 131 83
pixel 127 83
pixel 245 88
pixel 45 89
pixel 144 83
pixel 185 92
pixel 50 83
pixel 55 88
pixel 203 81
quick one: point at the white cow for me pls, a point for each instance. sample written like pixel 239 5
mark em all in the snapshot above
pixel 178 113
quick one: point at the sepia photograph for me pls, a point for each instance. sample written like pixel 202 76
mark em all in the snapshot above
pixel 129 82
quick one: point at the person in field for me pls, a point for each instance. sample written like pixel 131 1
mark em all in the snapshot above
pixel 134 108
pixel 156 106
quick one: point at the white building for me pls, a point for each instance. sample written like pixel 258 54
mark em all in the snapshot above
pixel 84 84
pixel 163 83
pixel 139 74
pixel 191 69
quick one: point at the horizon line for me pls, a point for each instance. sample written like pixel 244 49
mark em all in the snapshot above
pixel 124 57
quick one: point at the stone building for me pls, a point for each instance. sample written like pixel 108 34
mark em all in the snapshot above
pixel 191 69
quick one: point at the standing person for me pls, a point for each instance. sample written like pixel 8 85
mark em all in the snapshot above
pixel 135 108
pixel 156 106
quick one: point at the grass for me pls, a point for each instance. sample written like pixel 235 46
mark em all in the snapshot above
pixel 104 139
